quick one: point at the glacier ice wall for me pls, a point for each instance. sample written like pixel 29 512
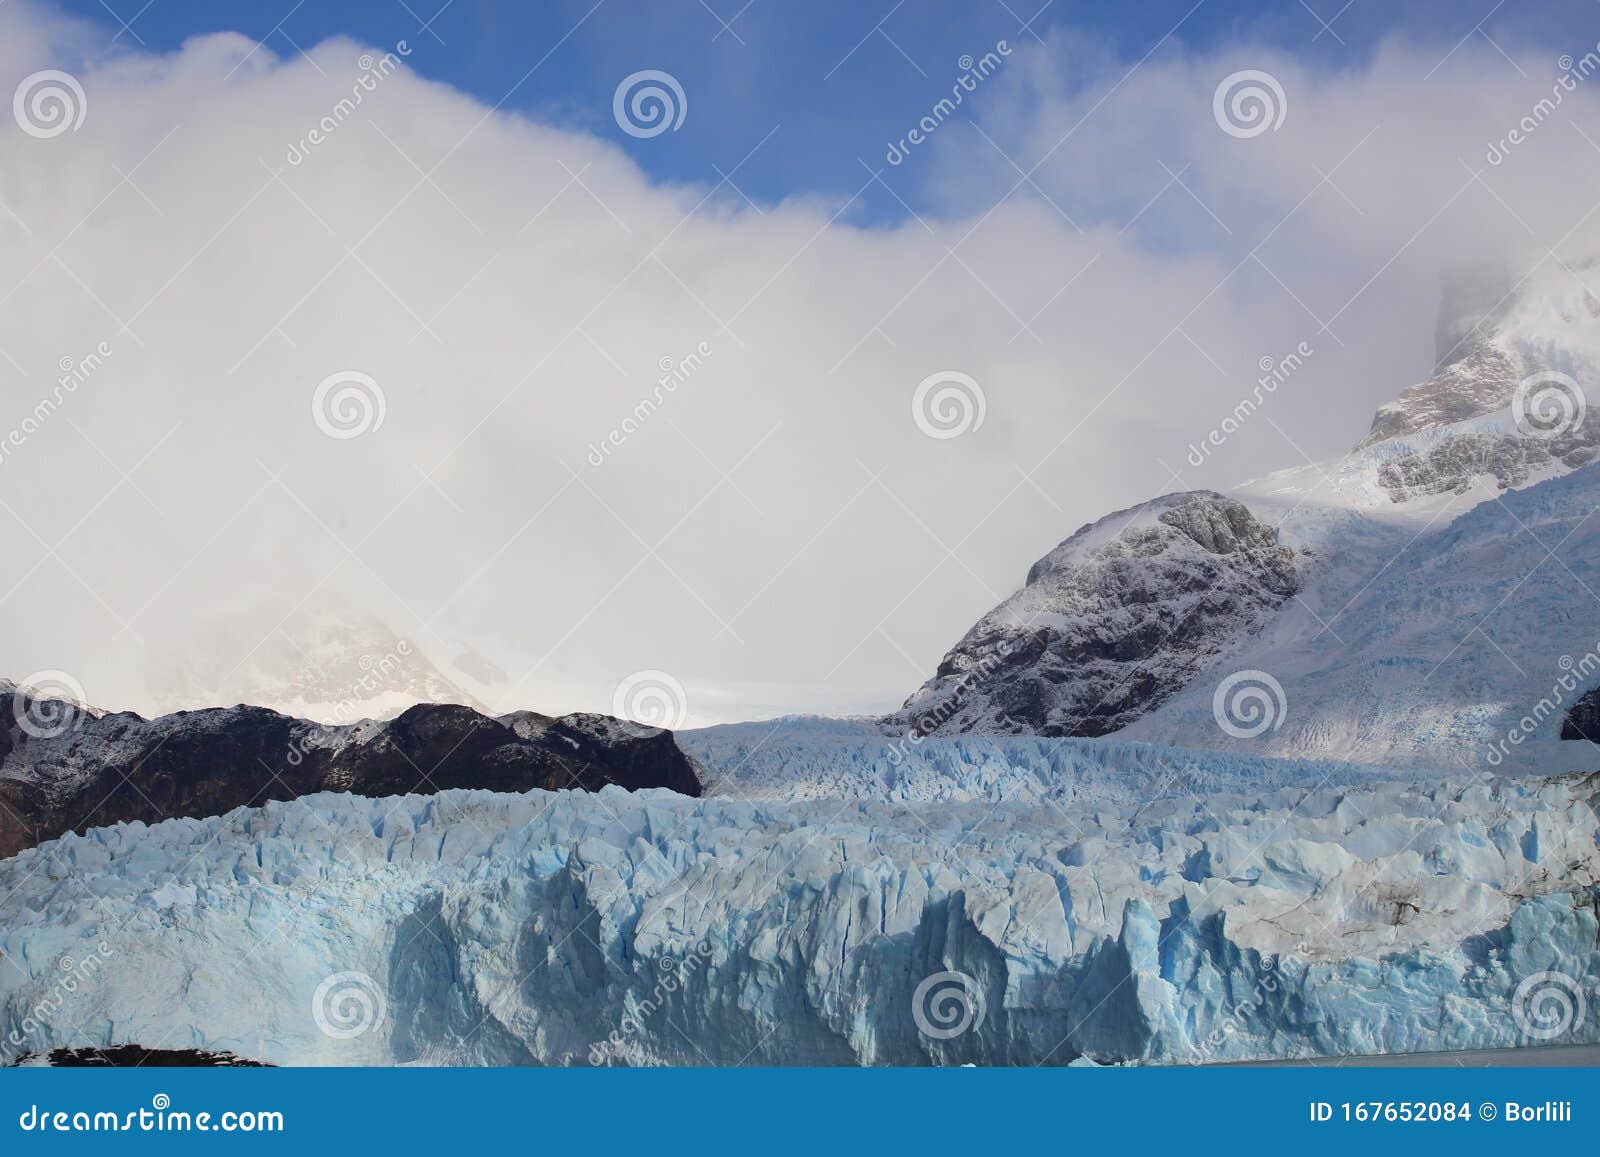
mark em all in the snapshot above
pixel 572 928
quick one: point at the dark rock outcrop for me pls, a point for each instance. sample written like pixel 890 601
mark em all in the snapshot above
pixel 67 768
pixel 1583 721
pixel 1112 622
pixel 137 1057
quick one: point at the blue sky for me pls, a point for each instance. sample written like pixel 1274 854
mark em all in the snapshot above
pixel 837 79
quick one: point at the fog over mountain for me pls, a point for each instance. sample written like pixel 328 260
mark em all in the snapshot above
pixel 772 529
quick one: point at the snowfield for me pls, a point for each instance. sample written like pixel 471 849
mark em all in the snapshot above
pixel 1426 643
pixel 1078 914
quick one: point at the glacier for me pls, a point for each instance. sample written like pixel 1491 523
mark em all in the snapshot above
pixel 1093 901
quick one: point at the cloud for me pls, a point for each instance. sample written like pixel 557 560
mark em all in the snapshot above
pixel 773 528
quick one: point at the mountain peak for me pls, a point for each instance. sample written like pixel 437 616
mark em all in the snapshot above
pixel 1501 348
pixel 1112 621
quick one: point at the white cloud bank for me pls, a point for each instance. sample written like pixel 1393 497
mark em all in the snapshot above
pixel 777 533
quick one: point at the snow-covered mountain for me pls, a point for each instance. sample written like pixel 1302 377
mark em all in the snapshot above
pixel 1506 402
pixel 1461 645
pixel 326 661
pixel 1411 603
pixel 1112 622
pixel 1491 336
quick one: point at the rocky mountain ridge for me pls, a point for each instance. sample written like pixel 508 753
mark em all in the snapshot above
pixel 65 767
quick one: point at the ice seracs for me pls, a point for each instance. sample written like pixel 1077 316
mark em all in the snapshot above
pixel 554 928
